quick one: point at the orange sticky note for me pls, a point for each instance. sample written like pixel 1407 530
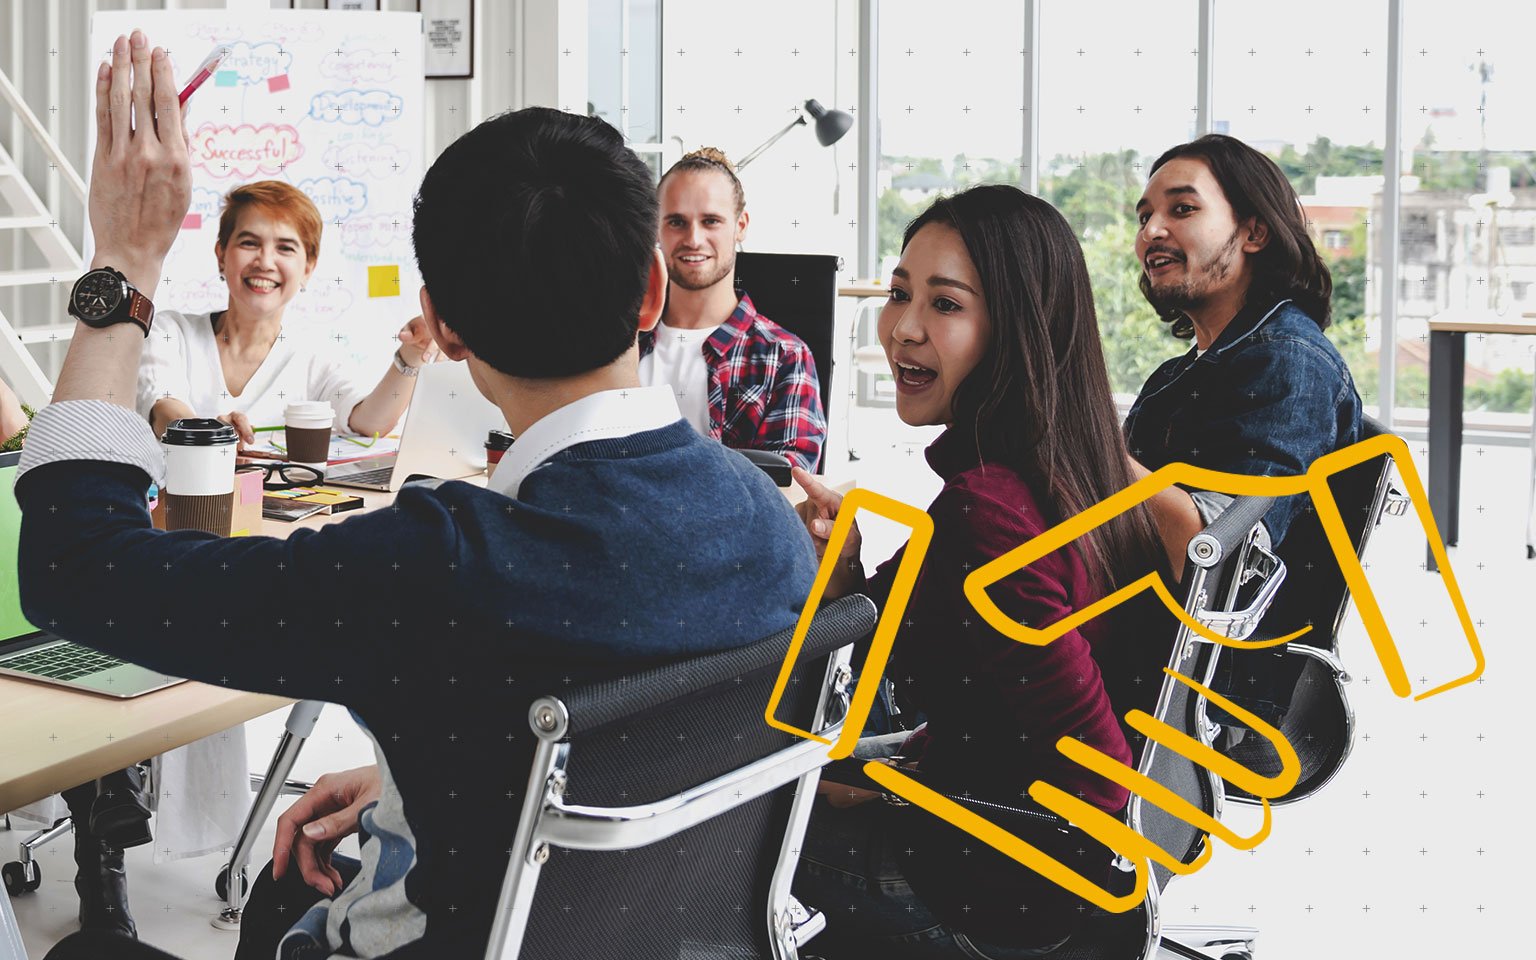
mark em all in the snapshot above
pixel 384 281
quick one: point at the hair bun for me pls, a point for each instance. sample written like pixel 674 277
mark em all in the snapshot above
pixel 712 155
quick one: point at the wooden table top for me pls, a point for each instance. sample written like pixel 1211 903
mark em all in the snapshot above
pixel 1522 325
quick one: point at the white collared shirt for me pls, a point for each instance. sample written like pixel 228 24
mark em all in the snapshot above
pixel 599 416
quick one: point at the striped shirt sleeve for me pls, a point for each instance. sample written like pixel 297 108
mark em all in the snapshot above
pixel 91 430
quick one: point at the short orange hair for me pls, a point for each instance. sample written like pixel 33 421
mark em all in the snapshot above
pixel 280 200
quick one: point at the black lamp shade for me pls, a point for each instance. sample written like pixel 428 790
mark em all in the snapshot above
pixel 830 124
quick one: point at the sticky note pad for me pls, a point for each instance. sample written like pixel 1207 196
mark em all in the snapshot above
pixel 384 281
pixel 192 221
pixel 277 83
pixel 226 78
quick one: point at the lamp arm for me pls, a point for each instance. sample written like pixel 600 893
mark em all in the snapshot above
pixel 798 121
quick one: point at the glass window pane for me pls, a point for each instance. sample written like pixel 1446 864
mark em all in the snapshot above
pixel 1315 101
pixel 951 102
pixel 1117 88
pixel 1469 209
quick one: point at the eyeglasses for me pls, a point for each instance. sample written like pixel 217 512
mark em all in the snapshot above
pixel 290 475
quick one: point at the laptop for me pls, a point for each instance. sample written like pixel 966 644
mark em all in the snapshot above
pixel 32 654
pixel 443 435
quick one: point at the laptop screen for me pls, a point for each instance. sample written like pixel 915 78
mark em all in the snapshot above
pixel 12 623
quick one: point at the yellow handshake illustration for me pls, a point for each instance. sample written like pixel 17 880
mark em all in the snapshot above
pixel 1107 829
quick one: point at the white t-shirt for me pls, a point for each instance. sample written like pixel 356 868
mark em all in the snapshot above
pixel 181 360
pixel 678 362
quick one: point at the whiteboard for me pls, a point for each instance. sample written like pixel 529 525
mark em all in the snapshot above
pixel 330 101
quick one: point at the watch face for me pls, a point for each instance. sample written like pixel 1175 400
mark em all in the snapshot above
pixel 97 295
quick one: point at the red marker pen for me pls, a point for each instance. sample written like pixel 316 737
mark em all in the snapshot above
pixel 203 72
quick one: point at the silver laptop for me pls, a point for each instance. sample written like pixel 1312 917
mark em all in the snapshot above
pixel 32 654
pixel 443 435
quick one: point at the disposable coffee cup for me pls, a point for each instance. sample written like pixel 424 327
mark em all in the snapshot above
pixel 497 443
pixel 199 475
pixel 307 430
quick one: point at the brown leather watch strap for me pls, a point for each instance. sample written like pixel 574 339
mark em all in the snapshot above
pixel 141 310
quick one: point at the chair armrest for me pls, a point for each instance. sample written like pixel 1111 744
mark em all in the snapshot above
pixel 776 465
pixel 1227 532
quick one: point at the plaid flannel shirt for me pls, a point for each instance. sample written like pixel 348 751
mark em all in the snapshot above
pixel 763 391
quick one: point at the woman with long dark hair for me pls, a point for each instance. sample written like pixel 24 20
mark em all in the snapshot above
pixel 990 330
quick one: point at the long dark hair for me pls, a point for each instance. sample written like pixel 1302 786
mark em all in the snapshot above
pixel 1289 266
pixel 1039 402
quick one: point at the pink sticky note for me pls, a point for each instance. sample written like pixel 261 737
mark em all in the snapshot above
pixel 192 221
pixel 279 82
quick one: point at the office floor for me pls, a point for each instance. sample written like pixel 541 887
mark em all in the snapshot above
pixel 1403 855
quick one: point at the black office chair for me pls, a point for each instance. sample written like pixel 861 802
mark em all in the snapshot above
pixel 1318 722
pixel 682 754
pixel 797 291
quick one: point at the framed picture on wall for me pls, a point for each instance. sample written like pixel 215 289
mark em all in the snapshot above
pixel 448 30
pixel 353 4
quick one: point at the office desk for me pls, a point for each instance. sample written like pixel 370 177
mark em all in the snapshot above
pixel 55 738
pixel 1447 375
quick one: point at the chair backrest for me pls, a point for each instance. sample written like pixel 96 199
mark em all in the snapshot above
pixel 797 291
pixel 1134 935
pixel 1319 722
pixel 663 815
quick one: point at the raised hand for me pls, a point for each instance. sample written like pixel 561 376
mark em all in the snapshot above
pixel 141 178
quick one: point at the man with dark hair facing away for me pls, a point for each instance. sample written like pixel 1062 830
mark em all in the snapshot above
pixel 536 237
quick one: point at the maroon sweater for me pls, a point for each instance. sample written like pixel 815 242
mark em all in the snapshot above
pixel 996 707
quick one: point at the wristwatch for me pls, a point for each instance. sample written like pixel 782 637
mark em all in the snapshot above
pixel 406 370
pixel 104 296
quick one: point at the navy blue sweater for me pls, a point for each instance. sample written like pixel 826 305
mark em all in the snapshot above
pixel 437 621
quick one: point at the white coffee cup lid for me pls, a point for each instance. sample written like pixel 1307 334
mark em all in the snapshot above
pixel 308 409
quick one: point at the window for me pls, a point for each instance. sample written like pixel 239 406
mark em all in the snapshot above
pixel 624 72
pixel 1118 88
pixel 951 106
pixel 1312 99
pixel 1467 122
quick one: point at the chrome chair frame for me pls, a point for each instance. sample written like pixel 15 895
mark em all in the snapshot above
pixel 548 821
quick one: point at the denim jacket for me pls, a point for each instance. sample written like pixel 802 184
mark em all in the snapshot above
pixel 1270 396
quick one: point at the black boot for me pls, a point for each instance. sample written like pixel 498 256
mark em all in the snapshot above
pixel 100 880
pixel 120 815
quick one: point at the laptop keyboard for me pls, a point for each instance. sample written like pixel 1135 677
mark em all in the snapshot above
pixel 378 476
pixel 62 662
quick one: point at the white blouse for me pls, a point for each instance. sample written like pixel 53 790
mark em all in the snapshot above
pixel 181 360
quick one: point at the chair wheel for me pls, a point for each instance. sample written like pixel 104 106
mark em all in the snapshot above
pixel 16 880
pixel 221 883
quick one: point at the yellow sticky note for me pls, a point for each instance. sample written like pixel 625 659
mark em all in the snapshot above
pixel 384 281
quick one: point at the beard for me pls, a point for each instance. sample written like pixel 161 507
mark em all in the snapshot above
pixel 725 267
pixel 1183 295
